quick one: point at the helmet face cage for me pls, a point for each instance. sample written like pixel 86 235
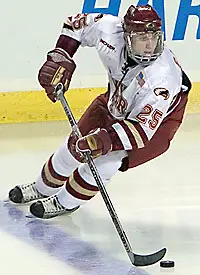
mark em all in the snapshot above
pixel 143 21
pixel 143 58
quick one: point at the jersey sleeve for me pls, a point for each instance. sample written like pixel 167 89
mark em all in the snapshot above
pixel 156 108
pixel 83 28
pixel 140 125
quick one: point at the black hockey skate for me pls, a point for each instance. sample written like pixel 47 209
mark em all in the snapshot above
pixel 48 208
pixel 24 193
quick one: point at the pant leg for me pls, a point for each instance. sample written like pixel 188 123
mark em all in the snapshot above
pixel 56 171
pixel 61 164
pixel 81 185
pixel 96 115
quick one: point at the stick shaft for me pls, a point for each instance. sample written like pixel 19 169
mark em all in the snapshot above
pixel 98 179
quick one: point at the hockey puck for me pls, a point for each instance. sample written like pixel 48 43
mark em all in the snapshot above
pixel 167 264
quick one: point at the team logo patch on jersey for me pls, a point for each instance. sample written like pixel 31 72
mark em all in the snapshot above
pixel 162 91
pixel 140 79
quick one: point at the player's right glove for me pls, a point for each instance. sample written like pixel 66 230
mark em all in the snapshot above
pixel 59 67
pixel 98 142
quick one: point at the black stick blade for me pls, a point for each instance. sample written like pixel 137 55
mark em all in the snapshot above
pixel 144 260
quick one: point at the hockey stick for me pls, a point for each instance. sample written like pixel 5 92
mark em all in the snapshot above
pixel 137 260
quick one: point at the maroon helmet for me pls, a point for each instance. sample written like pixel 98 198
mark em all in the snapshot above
pixel 140 23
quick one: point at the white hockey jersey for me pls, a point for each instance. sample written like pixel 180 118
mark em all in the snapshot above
pixel 142 94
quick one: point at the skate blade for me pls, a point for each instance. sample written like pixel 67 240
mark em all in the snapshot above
pixel 30 216
pixel 6 200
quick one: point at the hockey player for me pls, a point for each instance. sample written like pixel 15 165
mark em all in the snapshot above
pixel 130 124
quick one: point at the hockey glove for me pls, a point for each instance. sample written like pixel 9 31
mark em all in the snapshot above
pixel 97 142
pixel 59 67
pixel 72 147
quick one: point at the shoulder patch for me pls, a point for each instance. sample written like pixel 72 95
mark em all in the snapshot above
pixel 76 22
pixel 162 91
pixel 140 79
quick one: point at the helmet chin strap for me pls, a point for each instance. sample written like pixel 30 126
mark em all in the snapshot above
pixel 129 61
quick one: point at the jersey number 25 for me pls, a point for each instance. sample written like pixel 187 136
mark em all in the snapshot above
pixel 148 111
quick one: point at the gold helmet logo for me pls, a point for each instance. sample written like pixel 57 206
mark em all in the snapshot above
pixel 150 27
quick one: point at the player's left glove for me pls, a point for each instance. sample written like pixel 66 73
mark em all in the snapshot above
pixel 98 142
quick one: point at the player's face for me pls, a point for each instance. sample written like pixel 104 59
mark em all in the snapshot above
pixel 144 43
